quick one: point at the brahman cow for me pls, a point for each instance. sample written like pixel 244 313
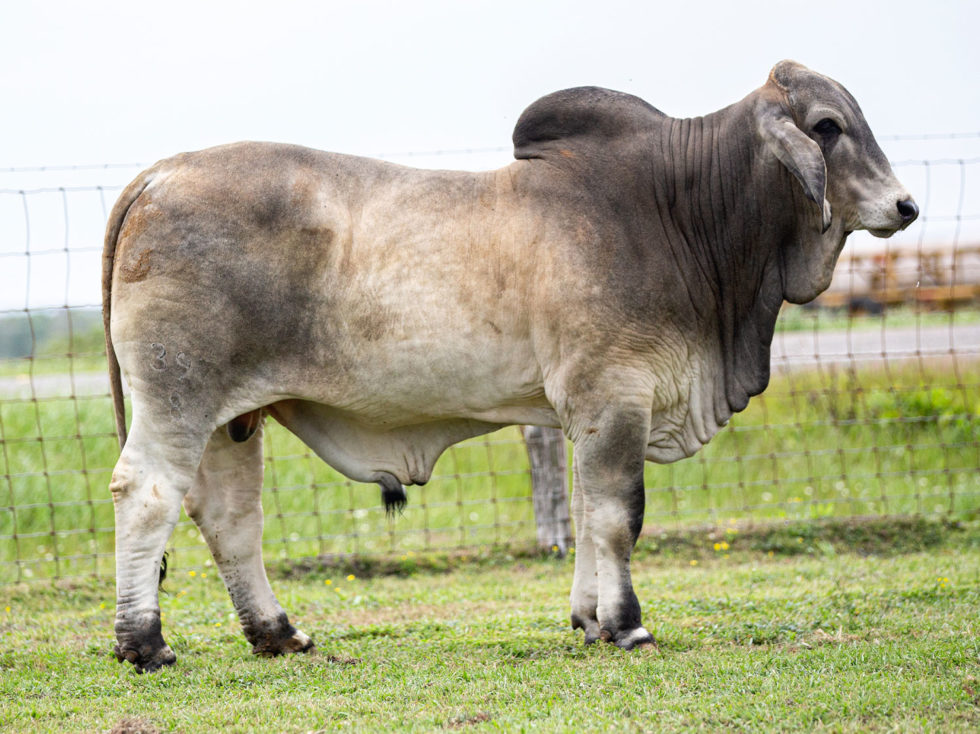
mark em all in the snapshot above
pixel 619 280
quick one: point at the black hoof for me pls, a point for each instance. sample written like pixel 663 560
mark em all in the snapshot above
pixel 144 660
pixel 273 648
pixel 628 639
pixel 589 626
pixel 142 644
pixel 277 638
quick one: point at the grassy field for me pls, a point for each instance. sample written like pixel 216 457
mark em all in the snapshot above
pixel 831 443
pixel 810 627
pixel 807 318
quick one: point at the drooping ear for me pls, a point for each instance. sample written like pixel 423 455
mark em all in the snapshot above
pixel 801 156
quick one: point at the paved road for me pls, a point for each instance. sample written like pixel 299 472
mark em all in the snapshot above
pixel 795 350
pixel 802 349
pixel 54 386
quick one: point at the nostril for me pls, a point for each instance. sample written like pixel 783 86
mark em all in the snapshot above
pixel 908 210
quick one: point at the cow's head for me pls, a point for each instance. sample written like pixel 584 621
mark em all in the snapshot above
pixel 817 131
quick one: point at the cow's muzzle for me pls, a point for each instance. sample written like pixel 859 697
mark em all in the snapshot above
pixel 908 210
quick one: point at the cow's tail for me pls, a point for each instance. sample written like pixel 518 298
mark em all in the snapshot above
pixel 114 225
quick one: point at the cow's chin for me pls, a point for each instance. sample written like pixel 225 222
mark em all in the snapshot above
pixel 884 232
pixel 882 226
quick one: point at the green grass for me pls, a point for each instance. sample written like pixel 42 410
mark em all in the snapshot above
pixel 806 318
pixel 749 639
pixel 815 445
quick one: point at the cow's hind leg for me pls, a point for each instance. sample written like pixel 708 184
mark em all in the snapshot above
pixel 154 472
pixel 226 504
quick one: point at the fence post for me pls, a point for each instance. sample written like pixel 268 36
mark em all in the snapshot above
pixel 549 486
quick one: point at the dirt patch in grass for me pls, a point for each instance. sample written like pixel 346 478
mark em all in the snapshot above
pixel 860 535
pixel 458 722
pixel 134 725
pixel 369 566
pixel 866 536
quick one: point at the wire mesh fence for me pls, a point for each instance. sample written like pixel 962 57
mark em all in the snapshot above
pixel 873 408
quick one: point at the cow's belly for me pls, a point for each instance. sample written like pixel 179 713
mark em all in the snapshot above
pixel 406 378
pixel 393 406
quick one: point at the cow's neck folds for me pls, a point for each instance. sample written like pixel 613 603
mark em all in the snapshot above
pixel 731 211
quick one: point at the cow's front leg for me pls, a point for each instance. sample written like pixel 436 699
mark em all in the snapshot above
pixel 226 504
pixel 149 481
pixel 609 504
pixel 585 590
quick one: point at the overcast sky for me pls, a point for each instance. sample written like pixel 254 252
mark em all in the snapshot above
pixel 118 82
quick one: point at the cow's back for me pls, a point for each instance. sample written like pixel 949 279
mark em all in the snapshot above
pixel 373 287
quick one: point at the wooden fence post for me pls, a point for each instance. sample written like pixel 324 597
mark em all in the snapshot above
pixel 549 482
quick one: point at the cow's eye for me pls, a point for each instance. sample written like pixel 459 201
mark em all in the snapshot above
pixel 827 128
